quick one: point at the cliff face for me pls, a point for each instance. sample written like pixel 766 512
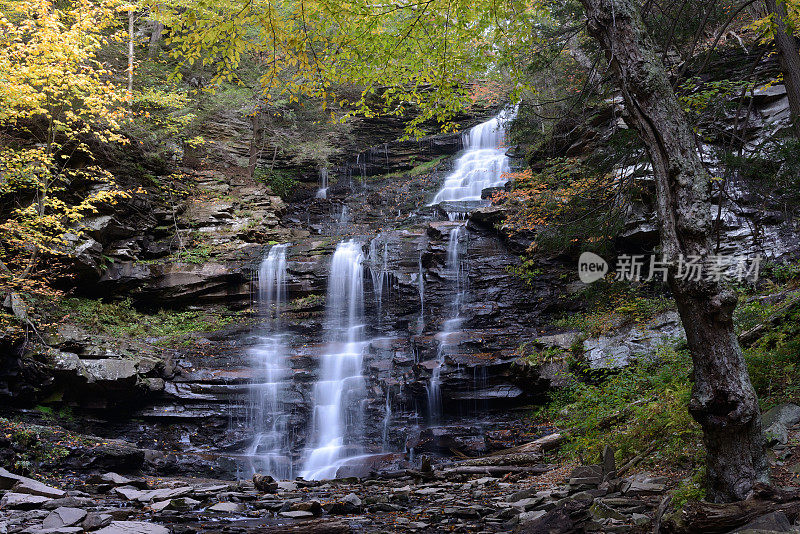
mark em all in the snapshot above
pixel 197 252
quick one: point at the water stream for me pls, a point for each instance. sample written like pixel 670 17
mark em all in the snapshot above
pixel 454 275
pixel 268 414
pixel 482 164
pixel 337 407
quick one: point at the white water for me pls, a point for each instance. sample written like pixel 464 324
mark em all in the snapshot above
pixel 322 192
pixel 268 415
pixel 455 277
pixel 377 260
pixel 340 388
pixel 482 164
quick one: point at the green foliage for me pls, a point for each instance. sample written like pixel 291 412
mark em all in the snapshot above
pixel 773 361
pixel 282 182
pixel 120 319
pixel 418 170
pixel 527 271
pixel 197 254
pixel 690 489
pixel 639 410
pixel 772 172
pixel 611 304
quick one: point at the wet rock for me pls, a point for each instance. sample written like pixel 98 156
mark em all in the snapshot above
pixel 265 483
pixel 21 484
pixel 227 507
pixel 133 527
pixel 64 517
pixel 22 501
pixel 297 514
pixel 350 504
pixel 97 520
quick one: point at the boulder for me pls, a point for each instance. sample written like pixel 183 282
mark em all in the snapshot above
pixel 64 517
pixel 786 414
pixel 772 522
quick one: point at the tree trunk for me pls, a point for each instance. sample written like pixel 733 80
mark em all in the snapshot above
pixel 255 143
pixel 130 56
pixel 789 59
pixel 723 400
pixel 155 40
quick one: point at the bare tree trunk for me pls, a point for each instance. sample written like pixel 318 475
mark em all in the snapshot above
pixel 789 59
pixel 155 40
pixel 255 143
pixel 723 400
pixel 130 56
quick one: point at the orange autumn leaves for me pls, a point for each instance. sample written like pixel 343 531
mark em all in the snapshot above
pixel 562 200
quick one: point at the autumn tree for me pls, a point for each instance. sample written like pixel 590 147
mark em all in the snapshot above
pixel 56 96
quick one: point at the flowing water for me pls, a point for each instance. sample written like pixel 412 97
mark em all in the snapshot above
pixel 337 408
pixel 482 164
pixel 268 414
pixel 456 280
pixel 322 192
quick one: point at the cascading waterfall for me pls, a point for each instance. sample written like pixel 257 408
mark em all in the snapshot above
pixel 482 164
pixel 455 277
pixel 322 192
pixel 377 259
pixel 268 414
pixel 340 388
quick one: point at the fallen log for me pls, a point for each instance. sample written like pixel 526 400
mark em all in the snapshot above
pixel 523 458
pixel 311 527
pixel 712 518
pixel 543 444
pixel 494 470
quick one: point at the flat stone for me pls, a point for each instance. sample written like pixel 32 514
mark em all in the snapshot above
pixel 133 527
pixel 22 501
pixel 162 494
pixel 21 484
pixel 644 488
pixel 296 514
pixel 64 517
pixel 527 517
pixel 227 507
pixel 57 530
pixel 428 491
pixel 129 492
pixel 287 485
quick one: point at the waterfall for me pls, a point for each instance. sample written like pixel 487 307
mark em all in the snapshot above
pixel 377 260
pixel 322 192
pixel 455 277
pixel 340 388
pixel 482 164
pixel 421 288
pixel 268 414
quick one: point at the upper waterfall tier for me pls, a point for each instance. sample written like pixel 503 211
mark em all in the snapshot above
pixel 483 163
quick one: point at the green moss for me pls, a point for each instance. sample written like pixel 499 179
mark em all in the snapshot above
pixel 120 319
pixel 418 170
